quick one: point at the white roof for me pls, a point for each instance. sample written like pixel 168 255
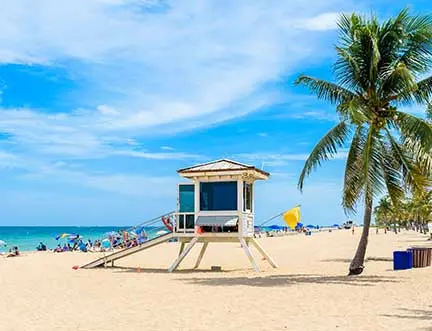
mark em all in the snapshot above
pixel 222 166
pixel 219 165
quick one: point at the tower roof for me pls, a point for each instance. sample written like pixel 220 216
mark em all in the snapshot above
pixel 222 166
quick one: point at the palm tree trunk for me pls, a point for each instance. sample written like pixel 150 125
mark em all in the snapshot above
pixel 419 223
pixel 356 266
pixel 425 227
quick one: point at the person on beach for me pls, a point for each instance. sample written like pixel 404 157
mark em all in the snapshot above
pixel 13 252
pixel 41 247
pixel 82 247
pixel 142 236
pixel 352 229
pixel 97 245
pixel 125 242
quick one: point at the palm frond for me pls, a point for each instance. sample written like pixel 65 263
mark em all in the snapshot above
pixel 347 70
pixel 392 175
pixel 414 128
pixel 417 47
pixel 325 90
pixel 429 111
pixel 354 179
pixel 324 150
pixel 412 174
pixel 423 93
pixel 422 157
pixel 396 80
pixel 354 110
pixel 372 155
pixel 375 57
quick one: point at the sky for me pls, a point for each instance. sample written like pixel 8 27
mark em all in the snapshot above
pixel 102 101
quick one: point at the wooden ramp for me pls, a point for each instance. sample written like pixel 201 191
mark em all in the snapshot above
pixel 103 261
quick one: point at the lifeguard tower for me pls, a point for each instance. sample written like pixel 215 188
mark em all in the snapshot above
pixel 216 205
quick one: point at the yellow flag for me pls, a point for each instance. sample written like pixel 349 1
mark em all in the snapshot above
pixel 292 217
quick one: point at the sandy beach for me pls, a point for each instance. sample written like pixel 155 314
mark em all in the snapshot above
pixel 41 291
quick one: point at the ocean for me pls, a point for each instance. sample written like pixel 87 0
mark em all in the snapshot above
pixel 28 237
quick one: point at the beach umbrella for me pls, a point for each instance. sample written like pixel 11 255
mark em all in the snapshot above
pixel 2 243
pixel 62 236
pixel 299 226
pixel 310 226
pixel 111 234
pixel 106 243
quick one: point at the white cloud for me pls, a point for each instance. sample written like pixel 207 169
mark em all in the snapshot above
pixel 8 160
pixel 107 110
pixel 147 68
pixel 118 183
pixel 152 64
pixel 282 158
pixel 312 114
pixel 160 156
pixel 321 22
pixel 168 148
pixel 305 106
pixel 72 136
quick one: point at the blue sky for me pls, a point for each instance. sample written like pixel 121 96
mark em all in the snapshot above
pixel 101 101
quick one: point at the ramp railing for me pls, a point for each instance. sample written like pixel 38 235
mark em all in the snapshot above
pixel 140 233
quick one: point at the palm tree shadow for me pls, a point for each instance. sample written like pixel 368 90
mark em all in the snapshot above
pixel 291 280
pixel 122 269
pixel 379 259
pixel 414 314
pixel 368 259
pixel 337 260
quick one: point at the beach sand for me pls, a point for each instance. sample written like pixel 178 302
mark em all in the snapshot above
pixel 41 291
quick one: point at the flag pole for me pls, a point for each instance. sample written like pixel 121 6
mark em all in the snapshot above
pixel 270 219
pixel 276 216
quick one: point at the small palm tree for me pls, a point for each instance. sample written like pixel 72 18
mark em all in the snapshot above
pixel 384 211
pixel 377 71
pixel 421 206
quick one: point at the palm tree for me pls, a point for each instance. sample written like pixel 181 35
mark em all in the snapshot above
pixel 377 70
pixel 421 207
pixel 384 212
pixel 388 214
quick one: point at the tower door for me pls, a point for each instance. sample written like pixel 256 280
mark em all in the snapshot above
pixel 186 207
